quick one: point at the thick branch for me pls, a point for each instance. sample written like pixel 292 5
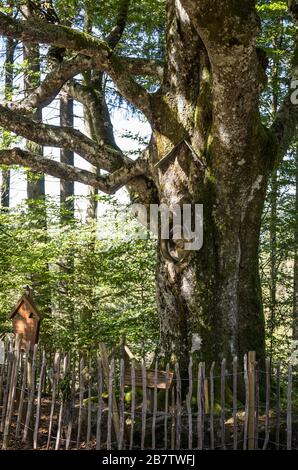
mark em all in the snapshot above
pixel 44 94
pixel 107 183
pixel 94 103
pixel 53 82
pixel 39 31
pixel 140 66
pixel 62 137
pixel 61 36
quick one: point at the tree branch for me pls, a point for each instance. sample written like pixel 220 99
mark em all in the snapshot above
pixel 117 31
pixel 140 66
pixel 44 94
pixel 37 31
pixel 53 82
pixel 93 101
pixel 109 184
pixel 62 137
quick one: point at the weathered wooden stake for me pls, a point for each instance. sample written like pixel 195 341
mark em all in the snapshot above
pixel 99 405
pixel 267 409
pixel 235 423
pixel 166 409
pixel 251 399
pixel 38 405
pixel 289 409
pixel 189 404
pixel 144 404
pixel 12 392
pixel 133 402
pixel 212 406
pixel 223 403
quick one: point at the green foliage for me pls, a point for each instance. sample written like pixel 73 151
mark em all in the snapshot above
pixel 98 290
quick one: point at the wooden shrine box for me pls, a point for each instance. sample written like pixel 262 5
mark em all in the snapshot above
pixel 26 320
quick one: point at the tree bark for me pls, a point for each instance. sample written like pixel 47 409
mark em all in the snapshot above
pixel 31 55
pixel 212 302
pixel 8 92
pixel 295 290
pixel 66 156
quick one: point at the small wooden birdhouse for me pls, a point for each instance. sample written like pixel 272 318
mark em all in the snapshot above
pixel 26 320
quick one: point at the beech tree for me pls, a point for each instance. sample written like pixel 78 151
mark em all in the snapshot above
pixel 205 115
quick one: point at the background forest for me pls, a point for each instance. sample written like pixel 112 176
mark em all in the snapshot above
pixel 92 288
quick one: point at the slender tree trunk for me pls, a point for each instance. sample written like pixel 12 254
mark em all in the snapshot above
pixel 66 156
pixel 295 299
pixel 36 184
pixel 273 260
pixel 273 216
pixel 8 91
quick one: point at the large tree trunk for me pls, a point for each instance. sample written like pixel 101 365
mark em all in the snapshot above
pixel 211 302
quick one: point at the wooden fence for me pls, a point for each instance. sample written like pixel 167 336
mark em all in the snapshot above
pixel 90 401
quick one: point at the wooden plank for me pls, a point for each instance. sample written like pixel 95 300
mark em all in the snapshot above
pixel 163 381
pixel 154 408
pixel 106 372
pixel 166 409
pixel 38 404
pixel 203 401
pixel 110 406
pixel 121 405
pixel 3 362
pixel 199 405
pixel 257 408
pixel 277 434
pixel 144 404
pixel 61 408
pixel 173 420
pixel 31 393
pixel 72 405
pixel 235 384
pixel 10 360
pixel 89 410
pixel 251 395
pixel 246 385
pixel 81 397
pixel 12 392
pixel 99 404
pixel 206 397
pixel 289 408
pixel 178 407
pixel 189 404
pixel 23 389
pixel 131 357
pixel 133 403
pixel 267 407
pixel 223 402
pixel 55 371
pixel 212 406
